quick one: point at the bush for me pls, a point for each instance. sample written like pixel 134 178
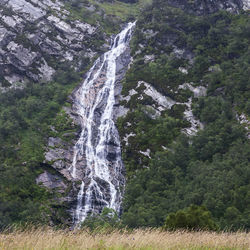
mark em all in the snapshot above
pixel 192 218
pixel 105 222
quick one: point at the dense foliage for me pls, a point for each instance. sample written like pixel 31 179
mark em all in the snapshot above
pixel 106 222
pixel 212 168
pixel 25 119
pixel 192 218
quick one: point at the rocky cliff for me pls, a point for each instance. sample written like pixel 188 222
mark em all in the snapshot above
pixel 36 36
pixel 71 160
pixel 39 42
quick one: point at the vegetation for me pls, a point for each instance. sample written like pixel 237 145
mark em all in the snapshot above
pixel 26 117
pixel 47 238
pixel 106 222
pixel 209 169
pixel 189 182
pixel 192 218
pixel 108 14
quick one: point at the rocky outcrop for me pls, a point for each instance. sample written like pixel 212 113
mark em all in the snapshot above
pixel 35 36
pixel 59 154
pixel 51 181
pixel 63 195
pixel 246 4
pixel 243 119
pixel 160 103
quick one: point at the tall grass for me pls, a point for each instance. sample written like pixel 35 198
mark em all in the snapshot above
pixel 138 239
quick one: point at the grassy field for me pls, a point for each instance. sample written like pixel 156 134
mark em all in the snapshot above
pixel 138 239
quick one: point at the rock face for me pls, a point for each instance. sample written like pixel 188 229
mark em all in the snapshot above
pixel 246 4
pixel 37 35
pixel 60 155
pixel 52 182
pixel 204 7
pixel 93 158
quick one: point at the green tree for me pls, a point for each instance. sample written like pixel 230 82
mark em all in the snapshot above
pixel 192 218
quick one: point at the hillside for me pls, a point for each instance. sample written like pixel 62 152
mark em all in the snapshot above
pixel 181 108
pixel 182 140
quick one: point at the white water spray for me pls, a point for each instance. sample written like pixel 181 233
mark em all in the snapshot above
pixel 98 148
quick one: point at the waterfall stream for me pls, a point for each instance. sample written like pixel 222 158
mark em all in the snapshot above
pixel 97 160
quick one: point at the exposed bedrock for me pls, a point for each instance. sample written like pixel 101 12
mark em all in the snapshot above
pixel 61 154
pixel 36 36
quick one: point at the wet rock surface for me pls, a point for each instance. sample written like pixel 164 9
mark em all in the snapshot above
pixel 51 181
pixel 60 153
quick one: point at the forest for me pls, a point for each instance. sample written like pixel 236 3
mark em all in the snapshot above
pixel 211 168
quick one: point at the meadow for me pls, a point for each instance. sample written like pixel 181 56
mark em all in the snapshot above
pixel 46 238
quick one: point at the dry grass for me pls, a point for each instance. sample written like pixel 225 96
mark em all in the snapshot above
pixel 138 239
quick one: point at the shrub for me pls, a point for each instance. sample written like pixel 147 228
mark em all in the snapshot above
pixel 192 218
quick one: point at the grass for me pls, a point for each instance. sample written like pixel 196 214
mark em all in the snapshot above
pixel 121 9
pixel 116 12
pixel 138 239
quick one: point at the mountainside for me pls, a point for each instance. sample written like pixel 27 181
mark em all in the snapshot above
pixel 37 37
pixel 46 47
pixel 182 142
pixel 180 103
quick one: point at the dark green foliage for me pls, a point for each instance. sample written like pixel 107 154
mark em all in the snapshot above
pixel 210 169
pixel 192 218
pixel 25 119
pixel 176 179
pixel 163 74
pixel 149 134
pixel 105 222
pixel 21 201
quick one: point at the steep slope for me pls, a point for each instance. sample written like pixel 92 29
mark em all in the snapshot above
pixel 182 142
pixel 46 46
pixel 93 164
pixel 37 36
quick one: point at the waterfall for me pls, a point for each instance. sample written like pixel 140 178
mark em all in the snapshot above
pixel 97 160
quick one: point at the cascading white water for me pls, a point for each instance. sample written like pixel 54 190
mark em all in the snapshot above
pixel 97 154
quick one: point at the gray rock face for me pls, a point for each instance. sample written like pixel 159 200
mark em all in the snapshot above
pixel 60 154
pixel 35 32
pixel 19 56
pixel 51 181
pixel 26 9
pixel 246 4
